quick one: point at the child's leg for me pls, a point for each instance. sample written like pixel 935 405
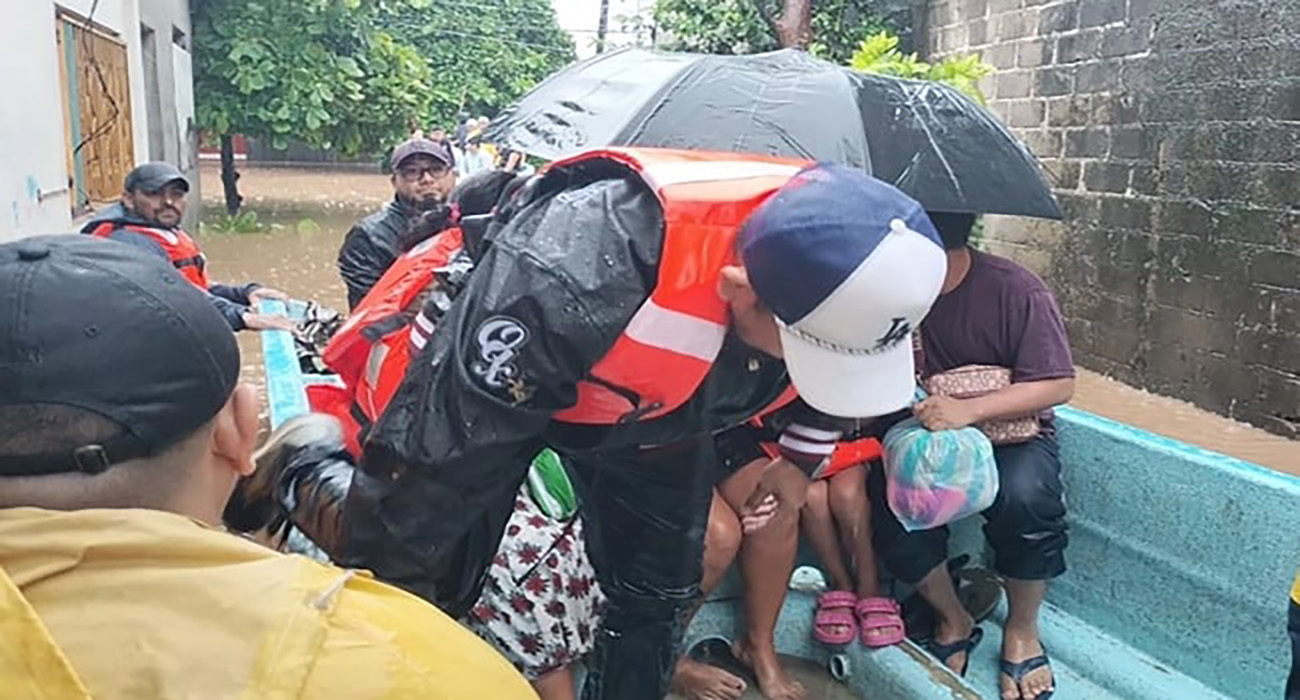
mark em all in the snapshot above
pixel 766 560
pixel 880 624
pixel 852 514
pixel 819 527
pixel 556 685
pixel 693 679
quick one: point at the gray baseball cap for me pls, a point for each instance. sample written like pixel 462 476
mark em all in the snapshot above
pixel 152 177
pixel 415 147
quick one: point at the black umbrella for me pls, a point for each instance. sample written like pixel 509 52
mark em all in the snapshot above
pixel 927 138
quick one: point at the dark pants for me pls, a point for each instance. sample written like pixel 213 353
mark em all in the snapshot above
pixel 1025 526
pixel 646 514
pixel 1293 626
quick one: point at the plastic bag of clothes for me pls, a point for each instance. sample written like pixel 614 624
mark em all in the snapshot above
pixel 935 477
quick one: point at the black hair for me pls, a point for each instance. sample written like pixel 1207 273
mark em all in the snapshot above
pixel 479 193
pixel 954 228
pixel 37 429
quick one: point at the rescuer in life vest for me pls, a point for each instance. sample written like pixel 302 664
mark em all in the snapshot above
pixel 149 217
pixel 637 303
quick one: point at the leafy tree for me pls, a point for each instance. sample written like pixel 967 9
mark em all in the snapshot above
pixel 879 54
pixel 752 26
pixel 316 71
pixel 482 54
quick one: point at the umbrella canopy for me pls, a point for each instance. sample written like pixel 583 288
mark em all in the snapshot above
pixel 926 138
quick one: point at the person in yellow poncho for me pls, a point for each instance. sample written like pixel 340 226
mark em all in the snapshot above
pixel 122 432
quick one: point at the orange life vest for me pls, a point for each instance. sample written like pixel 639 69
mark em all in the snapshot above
pixel 371 350
pixel 183 252
pixel 665 352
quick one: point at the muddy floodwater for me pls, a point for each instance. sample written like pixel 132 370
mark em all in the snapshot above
pixel 307 213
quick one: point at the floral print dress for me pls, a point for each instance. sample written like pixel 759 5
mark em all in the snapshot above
pixel 541 605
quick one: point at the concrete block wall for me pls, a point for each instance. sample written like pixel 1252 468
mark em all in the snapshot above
pixel 1171 129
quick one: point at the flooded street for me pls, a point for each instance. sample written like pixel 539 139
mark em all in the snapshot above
pixel 308 212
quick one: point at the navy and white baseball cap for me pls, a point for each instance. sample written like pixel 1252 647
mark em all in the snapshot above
pixel 850 266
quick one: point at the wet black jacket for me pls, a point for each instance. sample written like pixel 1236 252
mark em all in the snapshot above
pixel 566 274
pixel 231 300
pixel 371 247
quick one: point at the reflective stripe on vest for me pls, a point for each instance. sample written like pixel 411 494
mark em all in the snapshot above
pixel 372 349
pixel 668 347
pixel 384 312
pixel 181 250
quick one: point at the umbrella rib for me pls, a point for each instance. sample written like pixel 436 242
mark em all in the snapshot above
pixel 952 176
pixel 633 128
pixel 753 113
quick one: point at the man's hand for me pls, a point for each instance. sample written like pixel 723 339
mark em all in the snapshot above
pixel 267 322
pixel 266 293
pixel 945 413
pixel 783 486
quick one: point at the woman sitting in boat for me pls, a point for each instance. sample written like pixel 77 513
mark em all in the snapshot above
pixel 992 313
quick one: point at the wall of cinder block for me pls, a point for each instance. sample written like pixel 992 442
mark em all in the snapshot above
pixel 1171 130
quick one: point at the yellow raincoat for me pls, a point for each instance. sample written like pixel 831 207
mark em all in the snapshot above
pixel 146 605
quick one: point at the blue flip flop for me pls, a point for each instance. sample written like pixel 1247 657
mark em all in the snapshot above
pixel 943 652
pixel 1017 672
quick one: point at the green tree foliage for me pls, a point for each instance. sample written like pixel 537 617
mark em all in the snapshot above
pixel 315 71
pixel 482 54
pixel 879 54
pixel 748 26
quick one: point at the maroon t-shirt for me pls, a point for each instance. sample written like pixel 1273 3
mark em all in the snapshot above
pixel 1003 315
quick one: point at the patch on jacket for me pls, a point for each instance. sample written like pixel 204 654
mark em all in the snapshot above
pixel 499 341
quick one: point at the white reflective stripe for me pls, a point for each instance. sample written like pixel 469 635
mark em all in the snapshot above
pixel 676 173
pixel 168 236
pixel 374 363
pixel 425 324
pixel 808 433
pixel 814 448
pixel 418 339
pixel 677 332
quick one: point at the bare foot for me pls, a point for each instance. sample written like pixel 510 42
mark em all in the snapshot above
pixel 699 681
pixel 773 681
pixel 951 632
pixel 1017 647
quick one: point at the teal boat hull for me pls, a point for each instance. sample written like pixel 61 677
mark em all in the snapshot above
pixel 1180 561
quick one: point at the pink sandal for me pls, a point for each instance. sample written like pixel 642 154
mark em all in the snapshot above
pixel 880 621
pixel 834 623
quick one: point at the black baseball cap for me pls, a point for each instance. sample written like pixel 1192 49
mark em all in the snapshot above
pixel 94 325
pixel 415 147
pixel 152 177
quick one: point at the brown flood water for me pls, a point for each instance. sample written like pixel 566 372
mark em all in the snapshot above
pixel 309 211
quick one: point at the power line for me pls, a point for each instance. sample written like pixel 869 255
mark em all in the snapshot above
pixel 557 48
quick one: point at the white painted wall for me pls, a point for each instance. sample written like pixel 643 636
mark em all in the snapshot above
pixel 33 162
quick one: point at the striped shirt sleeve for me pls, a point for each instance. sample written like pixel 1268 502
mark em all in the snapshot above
pixel 807 447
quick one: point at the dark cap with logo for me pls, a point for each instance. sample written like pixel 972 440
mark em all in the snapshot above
pixel 95 326
pixel 152 177
pixel 416 147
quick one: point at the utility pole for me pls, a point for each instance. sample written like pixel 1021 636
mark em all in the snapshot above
pixel 602 28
